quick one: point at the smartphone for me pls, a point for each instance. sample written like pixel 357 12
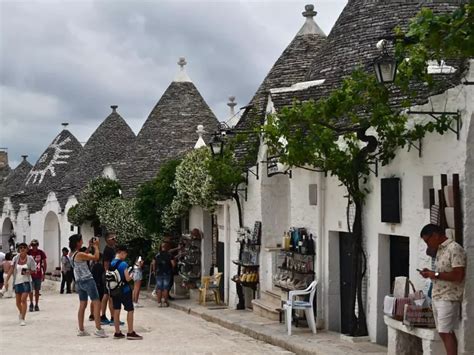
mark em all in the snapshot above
pixel 419 270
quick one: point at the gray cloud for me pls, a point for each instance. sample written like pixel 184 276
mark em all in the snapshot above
pixel 68 61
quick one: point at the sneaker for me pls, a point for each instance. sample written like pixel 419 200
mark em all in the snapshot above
pixel 91 317
pixel 100 333
pixel 82 333
pixel 37 308
pixel 22 323
pixel 31 307
pixel 134 336
pixel 137 305
pixel 104 320
pixel 119 335
pixel 153 293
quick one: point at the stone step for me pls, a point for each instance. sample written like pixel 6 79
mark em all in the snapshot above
pixel 262 309
pixel 271 298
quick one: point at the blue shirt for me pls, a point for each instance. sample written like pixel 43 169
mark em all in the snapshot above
pixel 122 266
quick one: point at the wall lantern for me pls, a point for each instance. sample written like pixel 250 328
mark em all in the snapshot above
pixel 217 145
pixel 385 65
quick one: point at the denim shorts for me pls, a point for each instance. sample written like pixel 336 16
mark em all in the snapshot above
pixel 36 284
pixel 24 287
pixel 86 288
pixel 137 275
pixel 163 282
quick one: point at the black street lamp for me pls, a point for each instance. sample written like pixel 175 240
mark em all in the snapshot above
pixel 217 145
pixel 385 65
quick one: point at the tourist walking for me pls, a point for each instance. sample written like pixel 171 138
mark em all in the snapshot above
pixel 137 281
pixel 66 271
pixel 108 255
pixel 2 279
pixel 85 285
pixel 164 264
pixel 22 269
pixel 448 283
pixel 38 275
pixel 7 290
pixel 123 295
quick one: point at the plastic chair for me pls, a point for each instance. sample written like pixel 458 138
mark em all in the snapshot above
pixel 210 283
pixel 292 304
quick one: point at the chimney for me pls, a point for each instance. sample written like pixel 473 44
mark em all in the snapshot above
pixel 114 108
pixel 232 104
pixel 64 124
pixel 24 157
pixel 3 158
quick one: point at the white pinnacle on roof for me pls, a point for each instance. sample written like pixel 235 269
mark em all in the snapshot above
pixel 200 142
pixel 310 27
pixel 182 76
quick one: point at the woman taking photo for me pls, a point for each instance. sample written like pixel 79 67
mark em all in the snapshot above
pixel 23 266
pixel 85 285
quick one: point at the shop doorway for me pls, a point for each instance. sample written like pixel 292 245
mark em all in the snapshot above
pixel 399 257
pixel 221 265
pixel 7 231
pixel 52 241
pixel 346 246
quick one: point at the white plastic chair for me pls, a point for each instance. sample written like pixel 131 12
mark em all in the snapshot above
pixel 292 304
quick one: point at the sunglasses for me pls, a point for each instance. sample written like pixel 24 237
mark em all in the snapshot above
pixel 34 244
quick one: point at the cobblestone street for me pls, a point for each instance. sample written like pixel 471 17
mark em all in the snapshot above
pixel 165 331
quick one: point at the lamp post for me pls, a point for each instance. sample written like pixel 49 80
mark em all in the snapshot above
pixel 385 65
pixel 217 145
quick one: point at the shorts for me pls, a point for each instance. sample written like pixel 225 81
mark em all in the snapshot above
pixel 124 299
pixel 36 284
pixel 163 282
pixel 86 288
pixel 24 287
pixel 137 275
pixel 100 291
pixel 446 315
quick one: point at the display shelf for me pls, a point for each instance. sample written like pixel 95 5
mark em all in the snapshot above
pixel 296 271
pixel 240 263
pixel 291 252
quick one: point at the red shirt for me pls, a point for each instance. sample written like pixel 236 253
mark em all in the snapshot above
pixel 38 256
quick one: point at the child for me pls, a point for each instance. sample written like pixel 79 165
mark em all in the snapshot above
pixel 7 290
pixel 137 281
pixel 124 297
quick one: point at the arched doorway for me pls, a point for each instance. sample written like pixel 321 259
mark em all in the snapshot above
pixel 7 229
pixel 52 241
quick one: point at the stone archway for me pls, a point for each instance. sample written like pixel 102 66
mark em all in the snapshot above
pixel 7 228
pixel 52 240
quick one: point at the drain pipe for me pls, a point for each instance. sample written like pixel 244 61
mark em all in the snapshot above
pixel 320 255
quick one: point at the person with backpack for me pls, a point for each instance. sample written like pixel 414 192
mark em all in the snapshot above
pixel 85 285
pixel 164 264
pixel 23 266
pixel 117 278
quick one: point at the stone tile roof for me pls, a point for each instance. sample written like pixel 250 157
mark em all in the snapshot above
pixel 352 41
pixel 12 183
pixel 49 172
pixel 169 131
pixel 106 146
pixel 290 68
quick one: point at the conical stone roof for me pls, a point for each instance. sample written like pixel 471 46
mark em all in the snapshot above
pixel 169 131
pixel 106 146
pixel 11 185
pixel 50 171
pixel 352 41
pixel 290 68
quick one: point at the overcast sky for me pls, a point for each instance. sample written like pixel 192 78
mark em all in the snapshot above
pixel 68 61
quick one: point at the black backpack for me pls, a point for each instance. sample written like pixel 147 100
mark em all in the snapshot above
pixel 163 263
pixel 113 280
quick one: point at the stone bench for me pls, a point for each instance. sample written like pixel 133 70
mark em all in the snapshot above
pixel 403 340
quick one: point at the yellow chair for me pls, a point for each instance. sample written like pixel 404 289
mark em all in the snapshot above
pixel 210 283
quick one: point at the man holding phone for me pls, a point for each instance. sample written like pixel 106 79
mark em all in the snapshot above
pixel 448 283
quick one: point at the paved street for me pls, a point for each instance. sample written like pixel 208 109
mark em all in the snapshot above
pixel 165 331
